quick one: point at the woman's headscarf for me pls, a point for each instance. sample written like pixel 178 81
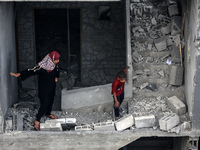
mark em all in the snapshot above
pixel 47 62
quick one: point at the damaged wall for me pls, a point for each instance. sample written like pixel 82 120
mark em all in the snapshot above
pixel 8 58
pixel 103 51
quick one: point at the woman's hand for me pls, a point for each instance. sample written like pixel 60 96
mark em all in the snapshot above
pixel 15 74
pixel 56 79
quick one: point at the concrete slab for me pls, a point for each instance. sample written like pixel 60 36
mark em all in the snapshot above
pixel 145 121
pixel 74 99
pixel 124 122
pixel 169 121
pixel 176 105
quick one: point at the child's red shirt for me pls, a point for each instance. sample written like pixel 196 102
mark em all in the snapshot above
pixel 118 86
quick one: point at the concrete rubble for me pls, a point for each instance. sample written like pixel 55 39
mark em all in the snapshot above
pixel 157 85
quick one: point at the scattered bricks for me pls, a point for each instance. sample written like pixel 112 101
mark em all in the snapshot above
pixel 55 127
pixel 124 122
pixel 45 127
pixel 169 121
pixel 102 126
pixel 166 30
pixel 61 120
pixel 176 25
pixel 160 43
pixel 145 121
pixel 173 10
pixel 84 128
pixel 176 105
pixel 175 75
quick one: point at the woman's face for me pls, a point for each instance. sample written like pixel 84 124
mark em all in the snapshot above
pixel 56 61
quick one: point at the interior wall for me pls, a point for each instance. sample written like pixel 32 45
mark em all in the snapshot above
pixel 103 52
pixel 8 86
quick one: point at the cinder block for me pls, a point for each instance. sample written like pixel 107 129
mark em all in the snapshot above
pixel 55 127
pixel 176 25
pixel 124 122
pixel 175 54
pixel 173 10
pixel 169 121
pixel 145 121
pixel 176 105
pixel 70 121
pixel 175 75
pixel 45 127
pixel 84 128
pixel 61 120
pixel 102 126
pixel 161 43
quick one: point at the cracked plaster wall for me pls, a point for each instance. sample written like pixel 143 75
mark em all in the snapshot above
pixel 103 52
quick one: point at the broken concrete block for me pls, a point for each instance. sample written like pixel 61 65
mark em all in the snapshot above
pixel 55 127
pixel 175 75
pixel 166 30
pixel 149 46
pixel 84 128
pixel 173 10
pixel 160 43
pixel 53 121
pixel 169 121
pixel 186 126
pixel 70 121
pixel 161 73
pixel 176 25
pixel 169 2
pixel 145 121
pixel 149 59
pixel 124 122
pixel 144 85
pixel 45 127
pixel 102 126
pixel 139 72
pixel 9 124
pixel 153 21
pixel 176 105
pixel 175 54
pixel 20 123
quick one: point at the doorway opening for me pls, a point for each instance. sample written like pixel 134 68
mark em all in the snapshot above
pixel 59 30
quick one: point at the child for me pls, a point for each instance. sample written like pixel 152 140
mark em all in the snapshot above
pixel 118 91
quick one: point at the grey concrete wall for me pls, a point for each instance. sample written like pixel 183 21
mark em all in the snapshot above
pixel 8 90
pixel 192 61
pixel 103 51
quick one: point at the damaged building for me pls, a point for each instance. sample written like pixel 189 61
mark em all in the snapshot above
pixel 157 39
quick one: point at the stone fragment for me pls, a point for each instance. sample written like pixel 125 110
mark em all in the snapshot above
pixel 169 2
pixel 175 54
pixel 166 30
pixel 149 46
pixel 32 93
pixel 135 29
pixel 145 121
pixel 160 43
pixel 139 72
pixel 124 122
pixel 149 59
pixel 9 124
pixel 173 10
pixel 176 105
pixel 45 127
pixel 153 21
pixel 84 128
pixel 144 85
pixel 161 73
pixel 175 75
pixel 104 126
pixel 19 123
pixel 169 121
pixel 151 87
pixel 176 25
pixel 186 126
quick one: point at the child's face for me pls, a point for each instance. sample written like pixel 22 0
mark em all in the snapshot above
pixel 122 79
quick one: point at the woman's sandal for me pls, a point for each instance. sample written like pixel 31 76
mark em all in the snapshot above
pixel 53 117
pixel 37 125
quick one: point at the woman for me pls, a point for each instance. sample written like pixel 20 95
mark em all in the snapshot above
pixel 48 73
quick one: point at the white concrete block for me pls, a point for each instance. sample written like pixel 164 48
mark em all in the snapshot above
pixel 44 127
pixel 70 121
pixel 61 120
pixel 124 122
pixel 145 121
pixel 55 127
pixel 102 126
pixel 84 128
pixel 169 121
pixel 176 105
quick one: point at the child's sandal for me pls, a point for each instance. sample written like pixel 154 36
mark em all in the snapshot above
pixel 37 125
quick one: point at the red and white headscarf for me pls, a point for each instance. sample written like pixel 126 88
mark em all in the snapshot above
pixel 47 62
